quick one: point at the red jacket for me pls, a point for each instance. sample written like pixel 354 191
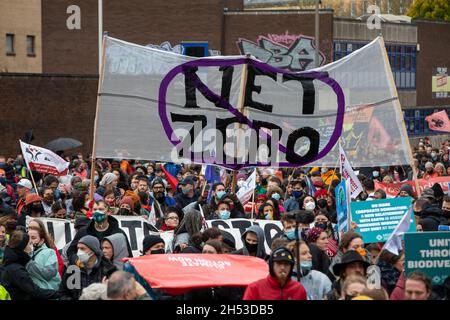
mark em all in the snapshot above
pixel 399 292
pixel 269 289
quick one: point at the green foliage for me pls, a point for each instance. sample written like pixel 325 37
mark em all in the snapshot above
pixel 430 9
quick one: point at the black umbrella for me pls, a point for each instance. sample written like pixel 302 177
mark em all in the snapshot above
pixel 61 144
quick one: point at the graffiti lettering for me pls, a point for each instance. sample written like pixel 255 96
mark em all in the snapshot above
pixel 293 52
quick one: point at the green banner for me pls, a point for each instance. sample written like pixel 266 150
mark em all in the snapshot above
pixel 428 252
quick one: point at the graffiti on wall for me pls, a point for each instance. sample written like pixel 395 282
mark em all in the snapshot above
pixel 166 46
pixel 286 51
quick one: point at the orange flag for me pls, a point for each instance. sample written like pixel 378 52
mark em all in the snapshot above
pixel 439 121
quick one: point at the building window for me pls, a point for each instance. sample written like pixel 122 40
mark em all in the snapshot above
pixel 401 57
pixel 10 44
pixel 31 46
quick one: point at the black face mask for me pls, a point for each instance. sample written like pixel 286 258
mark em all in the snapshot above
pixel 349 296
pixel 158 251
pixel 124 212
pixel 251 247
pixel 446 214
pixel 159 196
pixel 37 247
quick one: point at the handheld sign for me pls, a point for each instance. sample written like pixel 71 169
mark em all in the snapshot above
pixel 428 252
pixel 377 219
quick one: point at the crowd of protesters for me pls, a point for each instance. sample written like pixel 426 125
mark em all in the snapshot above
pixel 333 265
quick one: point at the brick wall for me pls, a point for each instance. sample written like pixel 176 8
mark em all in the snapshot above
pixel 434 52
pixel 53 106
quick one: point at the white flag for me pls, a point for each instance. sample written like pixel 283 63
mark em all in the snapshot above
pixel 394 243
pixel 348 174
pixel 43 160
pixel 246 190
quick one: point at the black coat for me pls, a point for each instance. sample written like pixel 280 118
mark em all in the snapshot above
pixel 103 268
pixel 17 281
pixel 320 260
pixel 90 230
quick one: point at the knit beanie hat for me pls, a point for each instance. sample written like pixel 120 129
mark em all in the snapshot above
pixel 93 244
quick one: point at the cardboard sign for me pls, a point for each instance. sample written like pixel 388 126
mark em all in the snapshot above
pixel 377 219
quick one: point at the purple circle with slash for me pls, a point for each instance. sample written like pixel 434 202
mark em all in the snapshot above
pixel 315 75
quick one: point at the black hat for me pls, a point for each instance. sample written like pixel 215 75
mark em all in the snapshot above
pixel 150 241
pixel 281 254
pixel 81 222
pixel 187 180
pixel 347 258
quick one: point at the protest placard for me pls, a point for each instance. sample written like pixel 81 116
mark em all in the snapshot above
pixel 428 252
pixel 342 206
pixel 377 219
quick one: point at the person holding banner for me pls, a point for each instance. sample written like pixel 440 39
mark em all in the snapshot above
pixel 101 226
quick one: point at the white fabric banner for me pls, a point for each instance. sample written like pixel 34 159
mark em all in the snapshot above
pixel 348 174
pixel 186 109
pixel 136 228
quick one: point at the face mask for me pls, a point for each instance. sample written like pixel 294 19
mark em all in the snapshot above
pixel 185 190
pixel 310 206
pixel 240 183
pixel 3 181
pixel 99 216
pixel 322 225
pixel 290 234
pixel 323 170
pixel 95 178
pixel 251 247
pixel 446 214
pixel 375 174
pixel 433 154
pixel 158 251
pixel 225 214
pixel 124 212
pixel 297 193
pixel 306 265
pixel 220 194
pixel 276 196
pixel 37 246
pixel 83 256
pixel 267 217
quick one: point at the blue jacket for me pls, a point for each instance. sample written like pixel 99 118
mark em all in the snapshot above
pixel 43 268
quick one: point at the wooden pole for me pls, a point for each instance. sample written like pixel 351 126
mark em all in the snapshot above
pixel 241 108
pixel 334 173
pixel 94 142
pixel 253 201
pixel 400 113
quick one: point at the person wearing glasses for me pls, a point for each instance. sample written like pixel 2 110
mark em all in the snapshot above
pixel 171 219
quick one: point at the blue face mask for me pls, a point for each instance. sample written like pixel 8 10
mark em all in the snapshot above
pixel 267 217
pixel 290 234
pixel 306 265
pixel 322 225
pixel 225 214
pixel 220 194
pixel 276 196
pixel 297 194
pixel 375 174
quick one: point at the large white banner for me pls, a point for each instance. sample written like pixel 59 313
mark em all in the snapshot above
pixel 187 109
pixel 136 228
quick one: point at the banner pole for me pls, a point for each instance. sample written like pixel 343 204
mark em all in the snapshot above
pixel 399 109
pixel 94 141
pixel 334 173
pixel 241 108
pixel 253 201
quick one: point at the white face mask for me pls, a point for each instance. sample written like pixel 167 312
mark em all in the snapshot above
pixel 310 206
pixel 83 256
pixel 240 183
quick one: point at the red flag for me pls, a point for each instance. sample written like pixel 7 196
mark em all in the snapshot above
pixel 378 135
pixel 439 121
pixel 170 178
pixel 183 272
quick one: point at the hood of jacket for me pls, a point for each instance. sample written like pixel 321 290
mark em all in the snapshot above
pixel 120 250
pixel 113 225
pixel 15 256
pixel 260 251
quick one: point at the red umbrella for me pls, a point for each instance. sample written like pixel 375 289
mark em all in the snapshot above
pixel 178 273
